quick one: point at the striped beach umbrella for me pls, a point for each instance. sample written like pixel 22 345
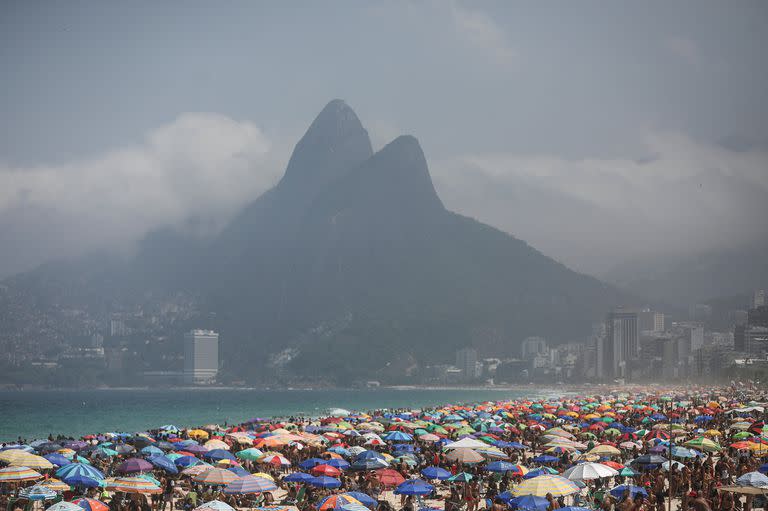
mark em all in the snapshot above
pixel 91 504
pixel 133 485
pixel 38 492
pixel 13 474
pixel 276 459
pixel 54 484
pixel 249 484
pixel 79 469
pixel 214 505
pixel 543 484
pixel 215 476
pixel 21 458
pixel 335 502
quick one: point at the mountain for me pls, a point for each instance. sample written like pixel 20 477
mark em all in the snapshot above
pixel 696 279
pixel 351 266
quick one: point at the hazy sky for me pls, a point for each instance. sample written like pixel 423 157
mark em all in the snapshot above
pixel 597 131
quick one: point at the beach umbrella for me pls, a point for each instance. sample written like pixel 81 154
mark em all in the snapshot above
pixel 389 477
pixel 215 476
pixel 133 485
pixel 575 508
pixel 276 459
pixel 79 469
pixel 151 450
pixel 364 498
pixel 324 482
pixel 461 477
pixel 703 444
pixel 397 436
pixel 82 481
pixel 57 460
pixel 414 487
pixel 64 506
pixel 249 484
pixel 38 492
pixel 124 449
pixel 648 459
pixel 134 465
pixel 435 473
pixel 251 454
pixel 21 458
pixel 216 444
pixel 541 485
pixel 163 463
pixel 54 484
pixel 467 456
pixel 311 462
pixel 627 472
pixel 528 503
pixel 634 491
pixel 297 477
pixel 214 505
pixel 14 474
pixel 325 470
pixel 219 454
pixel 186 461
pixel 589 471
pixel 91 504
pixel 369 464
pixel 605 450
pixel 333 502
pixel 755 479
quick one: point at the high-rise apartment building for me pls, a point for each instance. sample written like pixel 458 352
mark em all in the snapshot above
pixel 201 357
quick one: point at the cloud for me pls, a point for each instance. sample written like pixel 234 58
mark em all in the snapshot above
pixel 200 165
pixel 683 48
pixel 481 31
pixel 596 213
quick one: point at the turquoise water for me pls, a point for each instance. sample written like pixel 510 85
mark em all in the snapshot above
pixel 35 414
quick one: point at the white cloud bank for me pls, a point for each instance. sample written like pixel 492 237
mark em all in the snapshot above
pixel 597 213
pixel 200 165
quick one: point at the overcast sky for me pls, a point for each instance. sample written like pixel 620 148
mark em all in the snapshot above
pixel 597 131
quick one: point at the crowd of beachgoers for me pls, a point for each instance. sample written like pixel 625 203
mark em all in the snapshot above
pixel 631 449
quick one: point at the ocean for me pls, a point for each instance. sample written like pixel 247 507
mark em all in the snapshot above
pixel 35 414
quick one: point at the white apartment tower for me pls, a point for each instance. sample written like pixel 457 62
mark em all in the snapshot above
pixel 201 357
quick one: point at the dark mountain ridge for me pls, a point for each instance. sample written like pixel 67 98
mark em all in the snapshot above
pixel 351 263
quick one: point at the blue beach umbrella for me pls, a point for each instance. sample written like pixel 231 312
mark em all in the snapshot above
pixel 57 459
pixel 634 491
pixel 435 473
pixel 163 463
pixel 414 487
pixel 324 482
pixel 297 477
pixel 82 481
pixel 528 503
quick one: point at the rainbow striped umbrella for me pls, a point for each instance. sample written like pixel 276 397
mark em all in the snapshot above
pixel 249 484
pixel 133 485
pixel 54 484
pixel 335 502
pixel 543 484
pixel 214 476
pixel 11 474
pixel 20 458
pixel 37 492
pixel 91 504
